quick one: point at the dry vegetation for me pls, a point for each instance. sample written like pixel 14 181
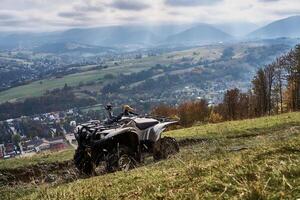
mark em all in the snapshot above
pixel 249 159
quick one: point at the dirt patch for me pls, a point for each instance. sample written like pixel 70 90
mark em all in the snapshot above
pixel 193 141
pixel 56 172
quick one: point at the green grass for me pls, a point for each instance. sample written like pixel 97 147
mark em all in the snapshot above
pixel 231 128
pixel 36 89
pixel 47 157
pixel 266 166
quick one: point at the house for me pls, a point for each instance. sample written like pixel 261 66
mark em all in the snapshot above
pixel 45 145
pixel 2 151
pixel 30 145
pixel 57 143
pixel 9 150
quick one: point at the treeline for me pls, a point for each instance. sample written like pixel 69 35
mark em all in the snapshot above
pixel 56 100
pixel 275 89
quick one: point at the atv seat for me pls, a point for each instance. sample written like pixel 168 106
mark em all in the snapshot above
pixel 144 123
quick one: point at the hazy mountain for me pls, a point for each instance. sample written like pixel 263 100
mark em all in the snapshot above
pixel 237 29
pixel 116 36
pixel 110 36
pixel 99 36
pixel 288 27
pixel 26 40
pixel 202 33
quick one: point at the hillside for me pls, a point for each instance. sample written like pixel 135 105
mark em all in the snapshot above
pixel 201 34
pixel 288 27
pixel 204 63
pixel 58 48
pixel 249 159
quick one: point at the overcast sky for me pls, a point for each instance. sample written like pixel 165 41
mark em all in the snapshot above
pixel 48 15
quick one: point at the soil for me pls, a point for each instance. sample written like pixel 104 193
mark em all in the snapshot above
pixel 41 173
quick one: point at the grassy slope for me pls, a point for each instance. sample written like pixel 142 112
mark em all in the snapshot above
pixel 231 128
pixel 36 89
pixel 266 166
pixel 47 157
pixel 220 130
pixel 269 170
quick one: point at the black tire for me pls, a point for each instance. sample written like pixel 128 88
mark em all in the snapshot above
pixel 164 148
pixel 120 159
pixel 83 162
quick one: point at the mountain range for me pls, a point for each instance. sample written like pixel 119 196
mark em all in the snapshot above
pixel 146 36
pixel 288 27
pixel 202 33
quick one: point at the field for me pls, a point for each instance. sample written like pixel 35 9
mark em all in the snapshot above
pixel 249 159
pixel 38 88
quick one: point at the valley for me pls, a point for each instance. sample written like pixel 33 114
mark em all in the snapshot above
pixel 203 65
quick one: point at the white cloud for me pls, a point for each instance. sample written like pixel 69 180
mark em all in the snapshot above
pixel 132 5
pixel 44 15
pixel 191 2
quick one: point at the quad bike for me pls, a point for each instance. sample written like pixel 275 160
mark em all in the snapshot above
pixel 122 145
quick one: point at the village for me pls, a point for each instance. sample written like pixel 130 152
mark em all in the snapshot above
pixel 54 134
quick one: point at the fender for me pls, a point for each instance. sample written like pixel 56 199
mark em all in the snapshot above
pixel 126 136
pixel 118 132
pixel 158 129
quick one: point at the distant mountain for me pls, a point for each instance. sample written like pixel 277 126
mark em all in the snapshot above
pixel 288 27
pixel 112 36
pixel 200 34
pixel 116 36
pixel 237 29
pixel 27 40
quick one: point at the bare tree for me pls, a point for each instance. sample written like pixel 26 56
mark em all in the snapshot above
pixel 260 93
pixel 270 76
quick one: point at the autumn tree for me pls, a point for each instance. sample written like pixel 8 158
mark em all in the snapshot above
pixel 230 102
pixel 291 64
pixel 164 110
pixel 191 112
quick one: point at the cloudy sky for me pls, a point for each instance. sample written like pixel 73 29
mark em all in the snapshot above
pixel 50 15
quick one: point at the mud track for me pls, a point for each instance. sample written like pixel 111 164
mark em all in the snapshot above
pixel 41 173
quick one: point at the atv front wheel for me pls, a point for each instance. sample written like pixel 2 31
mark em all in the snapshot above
pixel 164 148
pixel 83 162
pixel 120 159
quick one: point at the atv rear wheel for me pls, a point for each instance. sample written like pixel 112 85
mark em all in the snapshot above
pixel 83 162
pixel 120 160
pixel 164 148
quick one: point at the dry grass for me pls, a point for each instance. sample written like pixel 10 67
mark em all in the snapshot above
pixel 263 164
pixel 268 169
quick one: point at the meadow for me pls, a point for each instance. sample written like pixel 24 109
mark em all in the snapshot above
pixel 247 159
